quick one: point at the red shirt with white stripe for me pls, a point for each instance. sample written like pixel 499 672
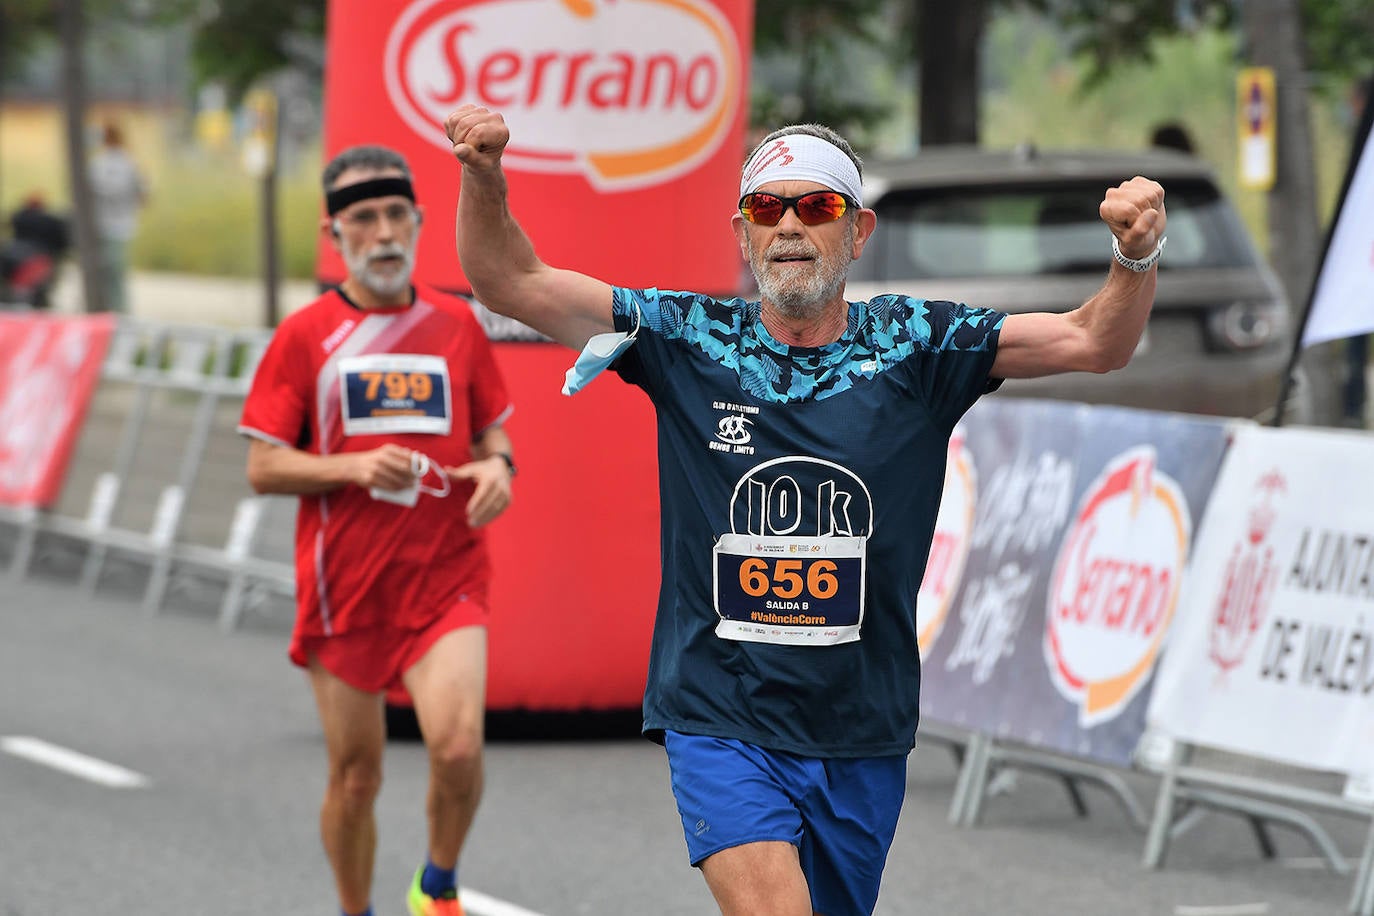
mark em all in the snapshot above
pixel 337 378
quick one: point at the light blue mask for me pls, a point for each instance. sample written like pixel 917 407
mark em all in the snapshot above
pixel 597 355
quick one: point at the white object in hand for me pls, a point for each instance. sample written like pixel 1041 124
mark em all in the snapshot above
pixel 409 496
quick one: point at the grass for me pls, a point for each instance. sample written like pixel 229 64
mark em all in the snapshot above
pixel 203 216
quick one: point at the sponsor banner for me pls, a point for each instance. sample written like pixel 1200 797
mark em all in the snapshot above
pixel 1082 528
pixel 1023 452
pixel 949 547
pixel 1273 655
pixel 626 117
pixel 49 368
pixel 575 560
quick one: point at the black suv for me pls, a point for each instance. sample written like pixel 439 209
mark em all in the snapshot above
pixel 1019 231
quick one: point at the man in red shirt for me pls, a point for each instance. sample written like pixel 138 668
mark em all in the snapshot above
pixel 381 406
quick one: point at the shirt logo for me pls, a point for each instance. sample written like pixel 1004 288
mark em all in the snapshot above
pixel 734 429
pixel 337 336
pixel 732 435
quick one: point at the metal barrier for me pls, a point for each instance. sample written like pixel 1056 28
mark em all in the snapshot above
pixel 166 410
pixel 1195 780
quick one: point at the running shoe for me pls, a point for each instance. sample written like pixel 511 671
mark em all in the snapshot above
pixel 422 904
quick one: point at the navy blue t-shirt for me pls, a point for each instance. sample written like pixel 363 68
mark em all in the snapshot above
pixel 799 488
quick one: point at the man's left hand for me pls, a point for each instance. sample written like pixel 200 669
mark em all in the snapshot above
pixel 491 494
pixel 1134 211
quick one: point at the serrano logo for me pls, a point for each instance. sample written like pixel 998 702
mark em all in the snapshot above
pixel 1249 581
pixel 626 93
pixel 949 548
pixel 1115 585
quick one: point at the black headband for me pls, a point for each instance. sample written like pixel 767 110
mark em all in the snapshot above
pixel 337 199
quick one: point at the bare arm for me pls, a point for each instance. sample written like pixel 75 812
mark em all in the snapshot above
pixel 1102 333
pixel 492 441
pixel 280 469
pixel 496 255
pixel 491 476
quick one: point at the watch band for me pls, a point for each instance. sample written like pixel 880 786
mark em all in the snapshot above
pixel 1142 265
pixel 510 462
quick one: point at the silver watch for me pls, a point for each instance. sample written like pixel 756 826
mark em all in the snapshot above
pixel 1144 263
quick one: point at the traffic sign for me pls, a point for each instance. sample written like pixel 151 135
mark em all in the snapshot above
pixel 1256 111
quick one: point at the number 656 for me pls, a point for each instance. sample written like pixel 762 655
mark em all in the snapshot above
pixel 786 578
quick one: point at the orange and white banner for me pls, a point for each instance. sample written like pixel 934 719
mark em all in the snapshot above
pixel 626 116
pixel 1273 651
pixel 49 368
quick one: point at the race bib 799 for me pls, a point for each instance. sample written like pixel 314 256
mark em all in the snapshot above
pixel 395 393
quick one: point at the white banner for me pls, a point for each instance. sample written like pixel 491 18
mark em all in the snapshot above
pixel 1272 654
pixel 1343 299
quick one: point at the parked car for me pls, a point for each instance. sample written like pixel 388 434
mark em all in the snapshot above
pixel 1019 231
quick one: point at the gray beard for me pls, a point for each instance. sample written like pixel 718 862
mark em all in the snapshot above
pixel 803 300
pixel 802 303
pixel 383 285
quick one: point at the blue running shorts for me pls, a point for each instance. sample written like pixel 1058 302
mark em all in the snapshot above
pixel 840 813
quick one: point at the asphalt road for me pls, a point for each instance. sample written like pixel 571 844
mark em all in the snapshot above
pixel 222 732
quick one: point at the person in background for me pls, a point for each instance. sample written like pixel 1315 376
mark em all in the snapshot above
pixel 1172 135
pixel 120 193
pixel 35 224
pixel 380 405
pixel 29 260
pixel 802 448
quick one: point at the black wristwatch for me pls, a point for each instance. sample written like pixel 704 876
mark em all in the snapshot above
pixel 510 462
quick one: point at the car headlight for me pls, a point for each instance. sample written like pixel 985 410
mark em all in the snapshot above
pixel 1246 325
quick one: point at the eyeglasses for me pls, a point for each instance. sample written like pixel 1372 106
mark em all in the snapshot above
pixel 398 214
pixel 813 208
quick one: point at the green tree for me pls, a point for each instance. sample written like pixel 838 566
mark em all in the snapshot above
pixel 23 23
pixel 1338 36
pixel 72 25
pixel 819 46
pixel 240 42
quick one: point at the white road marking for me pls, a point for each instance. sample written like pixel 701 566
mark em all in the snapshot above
pixel 1305 863
pixel 479 904
pixel 1229 909
pixel 72 762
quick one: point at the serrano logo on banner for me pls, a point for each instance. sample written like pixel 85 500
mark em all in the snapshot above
pixel 628 94
pixel 1248 584
pixel 949 548
pixel 1116 585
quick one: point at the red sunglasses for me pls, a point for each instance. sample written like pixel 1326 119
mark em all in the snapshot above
pixel 813 208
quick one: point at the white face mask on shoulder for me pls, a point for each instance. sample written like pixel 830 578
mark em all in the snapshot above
pixel 601 350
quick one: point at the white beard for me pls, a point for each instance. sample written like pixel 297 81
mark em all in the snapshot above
pixel 799 296
pixel 384 285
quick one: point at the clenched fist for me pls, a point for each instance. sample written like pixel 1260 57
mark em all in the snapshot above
pixel 478 135
pixel 1134 211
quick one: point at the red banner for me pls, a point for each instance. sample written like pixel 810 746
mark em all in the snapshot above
pixel 575 560
pixel 627 124
pixel 49 368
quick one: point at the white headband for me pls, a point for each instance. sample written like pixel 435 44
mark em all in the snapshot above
pixel 802 157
